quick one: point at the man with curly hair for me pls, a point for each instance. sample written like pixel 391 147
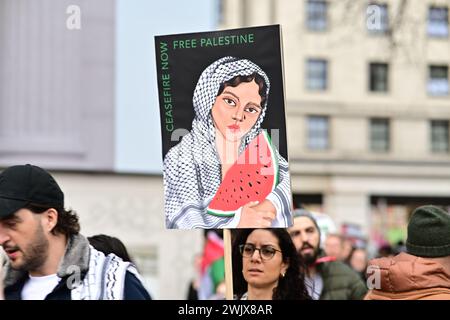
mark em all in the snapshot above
pixel 48 258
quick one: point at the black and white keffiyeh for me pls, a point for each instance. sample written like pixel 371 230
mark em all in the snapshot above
pixel 192 169
pixel 87 272
pixel 105 279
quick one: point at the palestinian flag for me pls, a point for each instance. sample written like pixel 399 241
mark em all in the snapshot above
pixel 212 266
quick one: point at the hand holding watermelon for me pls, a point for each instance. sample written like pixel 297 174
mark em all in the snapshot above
pixel 255 214
pixel 251 178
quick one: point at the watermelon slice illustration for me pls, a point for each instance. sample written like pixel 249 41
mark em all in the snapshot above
pixel 252 177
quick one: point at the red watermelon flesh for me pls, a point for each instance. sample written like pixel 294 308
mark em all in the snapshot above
pixel 252 177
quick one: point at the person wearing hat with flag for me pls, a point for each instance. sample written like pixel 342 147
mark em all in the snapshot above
pixel 423 271
pixel 48 258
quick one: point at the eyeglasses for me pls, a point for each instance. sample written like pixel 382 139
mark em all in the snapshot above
pixel 265 252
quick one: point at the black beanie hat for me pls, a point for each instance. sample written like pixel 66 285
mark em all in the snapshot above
pixel 429 232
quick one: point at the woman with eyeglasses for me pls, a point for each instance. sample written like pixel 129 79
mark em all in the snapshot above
pixel 266 266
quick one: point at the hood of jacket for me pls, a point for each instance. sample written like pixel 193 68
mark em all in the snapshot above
pixel 408 274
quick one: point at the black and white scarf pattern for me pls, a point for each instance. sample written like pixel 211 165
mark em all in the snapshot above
pixel 87 272
pixel 192 169
pixel 105 279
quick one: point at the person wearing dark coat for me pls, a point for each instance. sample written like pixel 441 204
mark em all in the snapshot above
pixel 327 278
pixel 423 271
pixel 48 259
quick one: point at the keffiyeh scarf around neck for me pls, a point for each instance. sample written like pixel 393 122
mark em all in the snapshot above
pixel 192 169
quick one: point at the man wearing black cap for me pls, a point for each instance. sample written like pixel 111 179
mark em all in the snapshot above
pixel 326 278
pixel 423 271
pixel 48 257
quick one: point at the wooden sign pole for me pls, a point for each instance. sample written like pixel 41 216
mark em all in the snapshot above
pixel 228 264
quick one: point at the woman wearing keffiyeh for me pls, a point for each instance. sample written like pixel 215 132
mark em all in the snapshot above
pixel 230 102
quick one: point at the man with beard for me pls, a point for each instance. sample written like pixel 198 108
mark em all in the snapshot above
pixel 48 258
pixel 327 278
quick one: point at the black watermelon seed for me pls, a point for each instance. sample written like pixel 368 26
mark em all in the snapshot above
pixel 250 184
pixel 241 189
pixel 257 192
pixel 258 182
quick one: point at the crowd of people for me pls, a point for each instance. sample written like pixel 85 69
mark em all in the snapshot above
pixel 277 264
pixel 45 257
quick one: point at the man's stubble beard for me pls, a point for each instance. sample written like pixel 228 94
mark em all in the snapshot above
pixel 36 253
pixel 309 259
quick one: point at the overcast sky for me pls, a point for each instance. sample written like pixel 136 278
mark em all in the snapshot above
pixel 138 135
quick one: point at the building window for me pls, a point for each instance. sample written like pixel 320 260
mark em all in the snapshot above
pixel 438 80
pixel 377 18
pixel 318 132
pixel 316 74
pixel 316 15
pixel 378 74
pixel 379 135
pixel 439 136
pixel 438 22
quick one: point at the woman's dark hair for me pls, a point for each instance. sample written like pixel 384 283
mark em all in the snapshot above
pixel 291 286
pixel 108 244
pixel 67 224
pixel 234 82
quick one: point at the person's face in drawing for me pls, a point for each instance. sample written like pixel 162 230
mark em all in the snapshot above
pixel 236 110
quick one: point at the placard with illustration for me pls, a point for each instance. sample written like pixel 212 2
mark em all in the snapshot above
pixel 225 161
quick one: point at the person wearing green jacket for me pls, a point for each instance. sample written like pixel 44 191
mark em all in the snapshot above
pixel 327 278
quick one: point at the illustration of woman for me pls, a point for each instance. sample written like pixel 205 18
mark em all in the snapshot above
pixel 230 102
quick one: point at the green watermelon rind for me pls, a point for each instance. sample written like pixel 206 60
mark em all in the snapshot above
pixel 273 154
pixel 220 213
pixel 274 159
